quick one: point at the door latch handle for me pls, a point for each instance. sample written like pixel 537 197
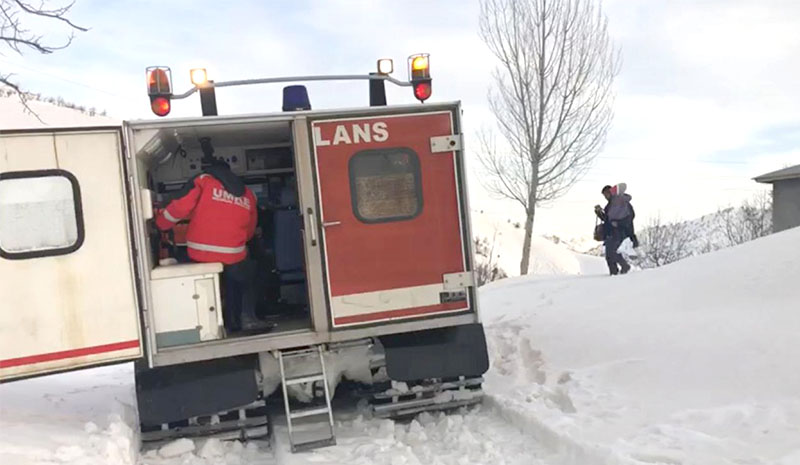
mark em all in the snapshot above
pixel 312 225
pixel 331 223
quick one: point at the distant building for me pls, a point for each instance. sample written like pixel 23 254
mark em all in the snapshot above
pixel 785 197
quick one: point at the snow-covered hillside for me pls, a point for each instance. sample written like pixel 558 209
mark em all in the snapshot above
pixel 692 363
pixel 14 116
pixel 707 233
pixel 548 258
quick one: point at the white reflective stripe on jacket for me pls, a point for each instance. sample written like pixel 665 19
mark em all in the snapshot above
pixel 169 217
pixel 214 248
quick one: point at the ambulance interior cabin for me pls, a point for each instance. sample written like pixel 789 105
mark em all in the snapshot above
pixel 189 299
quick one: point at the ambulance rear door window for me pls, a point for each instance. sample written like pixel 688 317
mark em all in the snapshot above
pixel 40 214
pixel 385 185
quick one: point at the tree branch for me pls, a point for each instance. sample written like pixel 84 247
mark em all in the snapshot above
pixel 5 79
pixel 16 37
pixel 57 13
pixel 552 97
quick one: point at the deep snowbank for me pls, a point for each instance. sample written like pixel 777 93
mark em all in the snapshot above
pixel 693 363
pixel 81 418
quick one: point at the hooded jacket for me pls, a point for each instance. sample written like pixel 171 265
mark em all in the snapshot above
pixel 222 214
pixel 619 207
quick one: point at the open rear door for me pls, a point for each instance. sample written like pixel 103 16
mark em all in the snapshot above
pixel 67 290
pixel 392 218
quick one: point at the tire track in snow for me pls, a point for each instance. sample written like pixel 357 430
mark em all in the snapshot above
pixel 515 361
pixel 477 435
pixel 562 449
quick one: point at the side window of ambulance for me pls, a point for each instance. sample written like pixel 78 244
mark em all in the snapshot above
pixel 40 214
pixel 385 185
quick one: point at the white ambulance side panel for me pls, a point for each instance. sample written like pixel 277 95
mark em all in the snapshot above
pixel 76 309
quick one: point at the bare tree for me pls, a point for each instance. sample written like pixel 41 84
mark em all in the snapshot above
pixel 487 268
pixel 663 243
pixel 15 35
pixel 753 219
pixel 552 97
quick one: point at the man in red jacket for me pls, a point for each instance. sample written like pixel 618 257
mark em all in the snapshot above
pixel 222 215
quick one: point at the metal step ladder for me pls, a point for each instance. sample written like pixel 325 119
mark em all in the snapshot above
pixel 320 412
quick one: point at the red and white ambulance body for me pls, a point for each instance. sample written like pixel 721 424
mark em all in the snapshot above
pixel 365 245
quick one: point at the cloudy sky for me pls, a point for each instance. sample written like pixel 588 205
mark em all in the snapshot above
pixel 707 97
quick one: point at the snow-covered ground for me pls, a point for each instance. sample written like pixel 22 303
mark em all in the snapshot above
pixel 694 363
pixel 81 418
pixel 87 418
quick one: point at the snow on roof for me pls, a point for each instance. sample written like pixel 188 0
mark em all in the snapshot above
pixel 13 115
pixel 791 172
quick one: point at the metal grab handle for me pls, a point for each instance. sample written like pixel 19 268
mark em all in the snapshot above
pixel 331 223
pixel 312 225
pixel 334 77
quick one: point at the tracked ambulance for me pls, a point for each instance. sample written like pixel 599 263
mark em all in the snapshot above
pixel 364 259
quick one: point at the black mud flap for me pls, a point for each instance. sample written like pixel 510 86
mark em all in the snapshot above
pixel 436 353
pixel 178 392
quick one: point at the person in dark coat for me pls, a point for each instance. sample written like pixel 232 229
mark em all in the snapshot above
pixel 617 218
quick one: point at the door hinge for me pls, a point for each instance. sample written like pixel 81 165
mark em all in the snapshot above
pixel 448 143
pixel 455 281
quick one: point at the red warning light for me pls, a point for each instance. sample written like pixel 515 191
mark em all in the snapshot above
pixel 419 72
pixel 423 90
pixel 161 106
